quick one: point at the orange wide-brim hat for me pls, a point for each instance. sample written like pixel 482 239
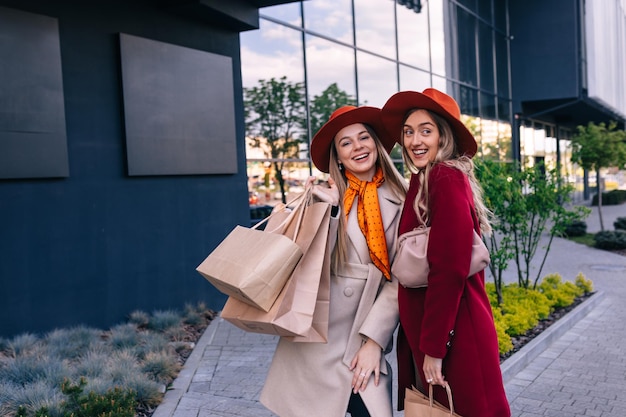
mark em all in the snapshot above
pixel 342 117
pixel 394 112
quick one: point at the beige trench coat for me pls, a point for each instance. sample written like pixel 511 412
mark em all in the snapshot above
pixel 313 379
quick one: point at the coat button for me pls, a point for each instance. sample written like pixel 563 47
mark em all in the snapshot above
pixel 348 292
pixel 448 344
pixel 451 333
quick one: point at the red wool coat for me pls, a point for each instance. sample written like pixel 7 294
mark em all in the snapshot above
pixel 451 319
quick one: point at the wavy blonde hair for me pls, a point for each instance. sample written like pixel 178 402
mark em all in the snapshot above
pixel 447 154
pixel 391 174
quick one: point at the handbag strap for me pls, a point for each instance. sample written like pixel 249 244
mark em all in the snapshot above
pixel 448 391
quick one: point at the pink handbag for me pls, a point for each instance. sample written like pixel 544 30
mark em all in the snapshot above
pixel 410 266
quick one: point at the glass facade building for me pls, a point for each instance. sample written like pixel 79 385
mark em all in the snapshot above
pixel 371 49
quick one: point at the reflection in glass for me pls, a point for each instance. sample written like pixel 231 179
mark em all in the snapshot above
pixel 437 37
pixel 440 84
pixel 487 106
pixel 374 24
pixel 502 66
pixel 505 142
pixel 466 47
pixel 289 13
pixel 485 59
pixel 413 79
pixel 376 81
pixel 329 63
pixel 468 101
pixel 271 52
pixel 331 18
pixel 413 48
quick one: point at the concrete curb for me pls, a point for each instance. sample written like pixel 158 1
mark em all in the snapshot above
pixel 181 384
pixel 520 359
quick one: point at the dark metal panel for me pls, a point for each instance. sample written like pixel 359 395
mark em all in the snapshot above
pixel 179 109
pixel 33 142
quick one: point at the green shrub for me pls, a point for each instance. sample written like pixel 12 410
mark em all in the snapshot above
pixel 620 223
pixel 610 239
pixel 575 228
pixel 522 309
pixel 560 294
pixel 116 402
pixel 139 318
pixel 161 367
pixel 139 357
pixel 22 344
pixel 72 342
pixel 163 320
pixel 611 198
pixel 505 343
pixel 586 285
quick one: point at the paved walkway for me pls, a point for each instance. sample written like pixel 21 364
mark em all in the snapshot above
pixel 577 368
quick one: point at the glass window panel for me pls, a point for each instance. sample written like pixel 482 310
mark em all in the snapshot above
pixel 484 9
pixel 466 38
pixel 470 4
pixel 289 13
pixel 376 79
pixel 413 79
pixel 505 142
pixel 272 51
pixel 321 75
pixel 437 37
pixel 486 64
pixel 504 110
pixel 329 63
pixel 375 29
pixel 331 18
pixel 499 12
pixel 440 83
pixel 489 139
pixel 468 101
pixel 488 106
pixel 502 67
pixel 413 46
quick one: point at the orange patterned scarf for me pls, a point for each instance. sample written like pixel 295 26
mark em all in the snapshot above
pixel 368 214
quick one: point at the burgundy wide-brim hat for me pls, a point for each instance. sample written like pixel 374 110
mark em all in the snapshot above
pixel 342 117
pixel 394 112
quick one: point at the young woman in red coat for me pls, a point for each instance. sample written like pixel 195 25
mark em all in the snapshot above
pixel 447 334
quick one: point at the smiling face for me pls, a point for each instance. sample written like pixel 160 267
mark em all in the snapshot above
pixel 356 150
pixel 420 138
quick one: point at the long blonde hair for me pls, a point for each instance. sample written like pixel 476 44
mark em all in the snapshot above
pixel 391 174
pixel 449 155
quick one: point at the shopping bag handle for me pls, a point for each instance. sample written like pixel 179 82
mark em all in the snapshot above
pixel 303 199
pixel 448 391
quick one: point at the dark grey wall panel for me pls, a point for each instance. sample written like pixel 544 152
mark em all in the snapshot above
pixel 33 142
pixel 178 109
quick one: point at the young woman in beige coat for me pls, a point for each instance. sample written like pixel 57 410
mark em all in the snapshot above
pixel 349 373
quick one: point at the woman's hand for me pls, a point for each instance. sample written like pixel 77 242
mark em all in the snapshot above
pixel 365 363
pixel 432 371
pixel 328 194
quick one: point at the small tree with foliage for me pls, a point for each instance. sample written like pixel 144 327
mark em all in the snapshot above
pixel 526 204
pixel 274 113
pixel 598 146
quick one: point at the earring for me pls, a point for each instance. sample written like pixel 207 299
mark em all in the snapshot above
pixel 340 166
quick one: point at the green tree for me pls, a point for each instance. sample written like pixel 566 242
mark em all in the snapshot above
pixel 323 105
pixel 274 114
pixel 598 146
pixel 527 204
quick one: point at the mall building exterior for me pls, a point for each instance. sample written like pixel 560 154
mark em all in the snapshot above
pixel 122 128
